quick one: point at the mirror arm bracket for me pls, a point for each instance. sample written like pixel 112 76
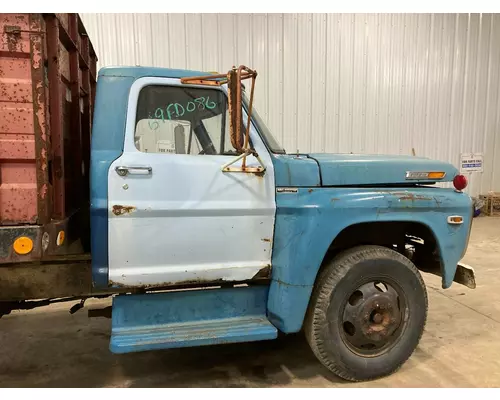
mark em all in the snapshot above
pixel 259 170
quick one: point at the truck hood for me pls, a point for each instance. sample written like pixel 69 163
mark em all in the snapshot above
pixel 362 169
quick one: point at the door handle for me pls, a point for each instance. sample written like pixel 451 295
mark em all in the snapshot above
pixel 123 171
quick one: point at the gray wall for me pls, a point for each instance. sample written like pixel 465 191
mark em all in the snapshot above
pixel 368 83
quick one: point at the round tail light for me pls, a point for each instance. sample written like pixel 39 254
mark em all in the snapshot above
pixel 460 182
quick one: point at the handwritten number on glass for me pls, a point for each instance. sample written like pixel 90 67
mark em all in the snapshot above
pixel 178 110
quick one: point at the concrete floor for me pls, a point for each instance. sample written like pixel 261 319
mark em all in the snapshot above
pixel 460 347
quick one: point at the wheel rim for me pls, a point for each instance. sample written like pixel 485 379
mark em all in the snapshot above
pixel 373 318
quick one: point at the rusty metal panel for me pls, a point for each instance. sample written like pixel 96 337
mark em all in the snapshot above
pixel 47 87
pixel 47 90
pixel 367 83
pixel 40 111
pixel 35 281
pixel 18 185
pixel 55 104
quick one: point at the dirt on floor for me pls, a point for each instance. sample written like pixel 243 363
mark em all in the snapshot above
pixel 460 347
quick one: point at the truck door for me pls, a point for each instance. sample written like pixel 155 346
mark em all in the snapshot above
pixel 174 216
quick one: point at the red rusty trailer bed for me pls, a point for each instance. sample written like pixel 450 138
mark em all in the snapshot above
pixel 47 89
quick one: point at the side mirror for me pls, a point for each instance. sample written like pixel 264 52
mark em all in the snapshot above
pixel 239 140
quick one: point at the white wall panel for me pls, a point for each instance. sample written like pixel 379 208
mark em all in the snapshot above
pixel 369 83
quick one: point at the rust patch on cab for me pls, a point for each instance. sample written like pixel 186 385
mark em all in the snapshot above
pixel 264 273
pixel 122 210
pixel 411 196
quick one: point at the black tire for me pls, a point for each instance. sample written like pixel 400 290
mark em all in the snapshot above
pixel 344 334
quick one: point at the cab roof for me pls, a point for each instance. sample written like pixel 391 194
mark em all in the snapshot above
pixel 140 72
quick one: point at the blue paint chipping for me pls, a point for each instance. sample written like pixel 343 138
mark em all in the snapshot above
pixel 309 220
pixel 190 318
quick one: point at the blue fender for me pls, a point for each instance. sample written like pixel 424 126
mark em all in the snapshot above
pixel 308 221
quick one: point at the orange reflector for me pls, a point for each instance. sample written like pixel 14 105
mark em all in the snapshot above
pixel 60 238
pixel 23 245
pixel 425 175
pixel 436 175
pixel 455 219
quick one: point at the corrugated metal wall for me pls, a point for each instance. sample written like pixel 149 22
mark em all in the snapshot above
pixel 369 83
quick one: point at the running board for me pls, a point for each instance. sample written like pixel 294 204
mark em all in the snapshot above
pixel 190 318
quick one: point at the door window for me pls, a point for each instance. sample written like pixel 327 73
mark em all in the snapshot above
pixel 182 120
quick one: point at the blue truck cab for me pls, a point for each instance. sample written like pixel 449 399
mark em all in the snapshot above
pixel 328 244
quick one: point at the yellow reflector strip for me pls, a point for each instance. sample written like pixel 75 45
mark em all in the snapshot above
pixel 436 175
pixel 23 245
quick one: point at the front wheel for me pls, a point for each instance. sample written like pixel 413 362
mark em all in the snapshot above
pixel 367 313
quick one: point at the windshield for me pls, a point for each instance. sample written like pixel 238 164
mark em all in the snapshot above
pixel 265 133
